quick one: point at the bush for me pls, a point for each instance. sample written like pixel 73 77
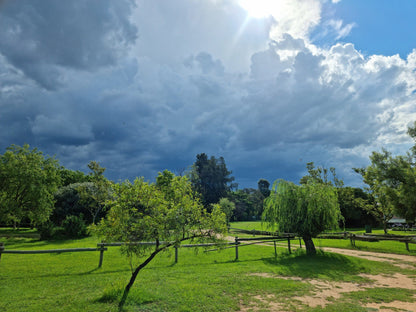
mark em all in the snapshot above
pixel 47 230
pixel 74 227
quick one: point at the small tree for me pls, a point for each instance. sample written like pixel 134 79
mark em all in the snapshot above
pixel 307 210
pixel 166 213
pixel 227 207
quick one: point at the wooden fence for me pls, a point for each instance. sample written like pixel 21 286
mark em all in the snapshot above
pixel 238 242
pixel 101 247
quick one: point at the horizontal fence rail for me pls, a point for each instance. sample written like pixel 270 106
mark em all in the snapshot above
pixel 101 249
pixel 27 252
pixel 367 237
pixel 238 242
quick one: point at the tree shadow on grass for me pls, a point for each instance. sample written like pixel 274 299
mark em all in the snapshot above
pixel 137 297
pixel 328 265
pixel 94 271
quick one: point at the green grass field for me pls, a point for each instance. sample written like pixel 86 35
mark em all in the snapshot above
pixel 201 281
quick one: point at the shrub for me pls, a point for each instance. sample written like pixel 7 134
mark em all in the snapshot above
pixel 47 230
pixel 74 226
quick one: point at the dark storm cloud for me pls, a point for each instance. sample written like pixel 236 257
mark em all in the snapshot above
pixel 43 37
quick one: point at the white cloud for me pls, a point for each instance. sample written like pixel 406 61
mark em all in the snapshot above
pixel 341 30
pixel 296 18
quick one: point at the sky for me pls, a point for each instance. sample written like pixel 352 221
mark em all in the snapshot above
pixel 145 85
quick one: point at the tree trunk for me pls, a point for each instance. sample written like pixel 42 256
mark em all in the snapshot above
pixel 310 247
pixel 141 266
pixel 385 227
pixel 134 275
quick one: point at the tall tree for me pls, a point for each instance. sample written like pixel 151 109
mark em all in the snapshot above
pixel 28 181
pixel 166 213
pixel 391 181
pixel 355 205
pixel 263 186
pixel 248 204
pixel 211 178
pixel 321 175
pixel 307 210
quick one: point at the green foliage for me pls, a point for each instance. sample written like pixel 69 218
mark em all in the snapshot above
pixel 355 204
pixel 93 197
pixel 28 181
pixel 74 227
pixel 392 182
pixel 68 202
pixel 227 207
pixel 263 186
pixel 382 178
pixel 71 176
pixel 307 210
pixel 166 213
pixel 248 204
pixel 47 230
pixel 211 179
pixel 320 175
pixel 411 131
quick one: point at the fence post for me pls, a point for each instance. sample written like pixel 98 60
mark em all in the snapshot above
pixel 236 248
pixel 101 245
pixel 176 254
pixel 300 242
pixel 1 249
pixel 406 242
pixel 275 251
pixel 288 245
pixel 352 240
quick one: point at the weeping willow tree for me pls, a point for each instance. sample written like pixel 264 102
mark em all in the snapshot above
pixel 307 210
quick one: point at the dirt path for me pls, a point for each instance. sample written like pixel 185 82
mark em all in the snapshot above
pixel 402 261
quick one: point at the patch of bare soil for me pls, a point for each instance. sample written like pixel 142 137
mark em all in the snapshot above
pixel 260 302
pixel 325 292
pixel 393 306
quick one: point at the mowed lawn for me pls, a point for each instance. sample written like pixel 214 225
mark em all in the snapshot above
pixel 200 281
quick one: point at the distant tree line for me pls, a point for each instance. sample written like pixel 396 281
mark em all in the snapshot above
pixel 36 191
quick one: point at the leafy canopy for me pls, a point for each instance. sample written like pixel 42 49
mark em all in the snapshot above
pixel 307 209
pixel 166 213
pixel 28 181
pixel 211 179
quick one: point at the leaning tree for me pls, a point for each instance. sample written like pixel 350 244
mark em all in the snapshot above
pixel 307 210
pixel 166 213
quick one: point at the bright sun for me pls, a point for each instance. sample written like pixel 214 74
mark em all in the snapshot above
pixel 259 8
